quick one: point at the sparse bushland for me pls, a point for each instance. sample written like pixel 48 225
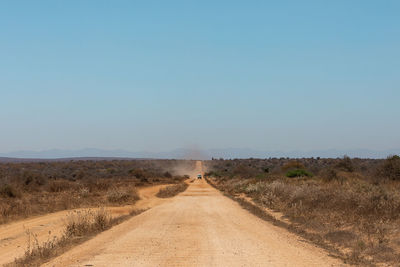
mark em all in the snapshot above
pixel 80 226
pixel 172 190
pixel 298 173
pixel 351 206
pixel 28 189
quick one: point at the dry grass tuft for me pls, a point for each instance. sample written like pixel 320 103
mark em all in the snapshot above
pixel 81 223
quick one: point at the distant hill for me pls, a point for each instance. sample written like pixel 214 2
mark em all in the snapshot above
pixel 227 153
pixel 15 160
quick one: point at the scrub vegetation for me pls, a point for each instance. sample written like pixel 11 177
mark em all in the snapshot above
pixel 80 226
pixel 351 206
pixel 172 190
pixel 28 189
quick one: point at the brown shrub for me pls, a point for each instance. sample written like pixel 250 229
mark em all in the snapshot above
pixel 345 164
pixel 390 168
pixel 244 171
pixel 118 195
pixel 141 174
pixel 10 191
pixel 80 223
pixel 94 185
pixel 340 236
pixel 172 190
pixel 59 186
pixel 167 175
pixel 291 165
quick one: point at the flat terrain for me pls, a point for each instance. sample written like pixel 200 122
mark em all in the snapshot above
pixel 199 227
pixel 13 236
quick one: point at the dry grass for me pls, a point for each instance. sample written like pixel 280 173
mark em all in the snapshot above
pixel 28 189
pixel 80 226
pixel 62 195
pixel 350 212
pixel 172 190
pixel 122 195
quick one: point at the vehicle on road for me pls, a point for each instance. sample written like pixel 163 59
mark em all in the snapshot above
pixel 199 176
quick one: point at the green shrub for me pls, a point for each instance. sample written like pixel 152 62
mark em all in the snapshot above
pixel 298 173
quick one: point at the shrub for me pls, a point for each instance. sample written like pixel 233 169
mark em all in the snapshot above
pixel 102 220
pixel 391 168
pixel 298 173
pixel 84 192
pixel 79 223
pixel 122 195
pixel 243 171
pixel 345 164
pixel 167 175
pixel 34 179
pixel 329 174
pixel 140 174
pixel 8 191
pixel 59 186
pixel 172 190
pixel 294 164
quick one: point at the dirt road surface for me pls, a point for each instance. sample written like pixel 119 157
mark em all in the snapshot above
pixel 199 227
pixel 13 236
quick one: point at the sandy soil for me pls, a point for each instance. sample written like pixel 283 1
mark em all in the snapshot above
pixel 13 236
pixel 199 227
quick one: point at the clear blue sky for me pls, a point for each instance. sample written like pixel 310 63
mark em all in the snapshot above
pixel 159 75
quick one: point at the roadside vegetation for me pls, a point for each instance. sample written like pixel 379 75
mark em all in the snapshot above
pixel 172 190
pixel 80 226
pixel 28 189
pixel 350 206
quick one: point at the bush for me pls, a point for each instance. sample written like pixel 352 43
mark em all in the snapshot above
pixel 391 168
pixel 81 223
pixel 33 179
pixel 329 174
pixel 122 195
pixel 292 165
pixel 8 191
pixel 345 164
pixel 298 173
pixel 167 175
pixel 140 174
pixel 244 171
pixel 172 190
pixel 59 186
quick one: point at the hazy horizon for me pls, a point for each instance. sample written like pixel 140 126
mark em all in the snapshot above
pixel 158 76
pixel 199 154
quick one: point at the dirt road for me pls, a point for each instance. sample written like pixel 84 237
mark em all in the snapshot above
pixel 199 227
pixel 13 236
